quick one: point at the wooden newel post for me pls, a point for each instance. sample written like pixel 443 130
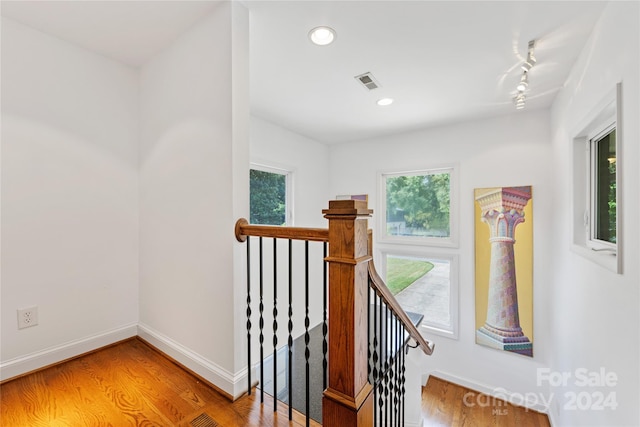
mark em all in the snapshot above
pixel 348 400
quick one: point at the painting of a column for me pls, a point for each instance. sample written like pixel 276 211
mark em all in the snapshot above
pixel 504 268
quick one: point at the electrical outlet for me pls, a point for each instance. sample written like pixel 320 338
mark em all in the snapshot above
pixel 27 317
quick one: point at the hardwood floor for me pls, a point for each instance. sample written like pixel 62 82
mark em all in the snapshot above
pixel 128 384
pixel 131 384
pixel 447 404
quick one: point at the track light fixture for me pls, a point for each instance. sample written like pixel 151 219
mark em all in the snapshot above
pixel 531 60
pixel 528 64
pixel 524 82
pixel 523 85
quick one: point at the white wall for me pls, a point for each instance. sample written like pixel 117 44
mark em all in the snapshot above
pixel 594 311
pixel 240 157
pixel 69 198
pixel 276 146
pixel 504 151
pixel 187 195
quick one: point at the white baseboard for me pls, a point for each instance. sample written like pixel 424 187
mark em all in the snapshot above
pixel 409 424
pixel 498 393
pixel 232 384
pixel 34 361
pixel 551 414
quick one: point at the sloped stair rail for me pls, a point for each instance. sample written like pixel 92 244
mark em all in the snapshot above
pixel 368 331
pixel 388 342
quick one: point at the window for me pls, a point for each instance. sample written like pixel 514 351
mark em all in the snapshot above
pixel 418 207
pixel 424 284
pixel 270 196
pixel 602 191
pixel 417 224
pixel 597 192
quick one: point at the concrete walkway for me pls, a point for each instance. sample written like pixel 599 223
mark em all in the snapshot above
pixel 429 295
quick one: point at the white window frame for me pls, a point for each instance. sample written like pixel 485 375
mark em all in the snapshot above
pixel 426 327
pixel 289 217
pixel 603 118
pixel 452 240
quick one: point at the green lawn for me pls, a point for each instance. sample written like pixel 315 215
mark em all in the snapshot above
pixel 402 272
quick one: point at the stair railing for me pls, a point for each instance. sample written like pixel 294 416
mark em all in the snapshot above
pixel 364 340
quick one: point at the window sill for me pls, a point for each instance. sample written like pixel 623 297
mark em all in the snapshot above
pixel 606 259
pixel 432 330
pixel 447 242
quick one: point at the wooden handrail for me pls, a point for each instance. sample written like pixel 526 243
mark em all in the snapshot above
pixel 244 229
pixel 386 295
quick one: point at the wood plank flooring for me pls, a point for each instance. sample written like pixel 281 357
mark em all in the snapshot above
pixel 447 404
pixel 131 384
pixel 128 384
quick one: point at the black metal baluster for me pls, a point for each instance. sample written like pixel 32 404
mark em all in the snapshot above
pixel 401 373
pixel 386 365
pixel 248 316
pixel 375 356
pixel 397 349
pixel 381 378
pixel 392 373
pixel 261 325
pixel 324 317
pixel 290 340
pixel 403 378
pixel 275 324
pixel 397 384
pixel 369 351
pixel 306 326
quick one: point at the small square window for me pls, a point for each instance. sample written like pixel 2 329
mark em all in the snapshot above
pixel 269 194
pixel 417 207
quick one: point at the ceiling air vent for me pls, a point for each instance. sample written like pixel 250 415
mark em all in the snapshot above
pixel 368 81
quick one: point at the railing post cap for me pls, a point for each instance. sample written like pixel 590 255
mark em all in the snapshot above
pixel 347 207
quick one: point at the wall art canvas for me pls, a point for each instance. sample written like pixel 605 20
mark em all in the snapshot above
pixel 504 268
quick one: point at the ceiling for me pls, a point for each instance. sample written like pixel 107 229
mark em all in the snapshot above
pixel 441 61
pixel 128 31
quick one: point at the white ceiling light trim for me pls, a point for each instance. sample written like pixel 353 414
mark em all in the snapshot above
pixel 383 102
pixel 322 35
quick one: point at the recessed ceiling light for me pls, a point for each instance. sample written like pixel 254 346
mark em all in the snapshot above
pixel 384 101
pixel 322 36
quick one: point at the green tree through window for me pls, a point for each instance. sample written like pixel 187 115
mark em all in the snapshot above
pixel 418 205
pixel 268 197
pixel 605 187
